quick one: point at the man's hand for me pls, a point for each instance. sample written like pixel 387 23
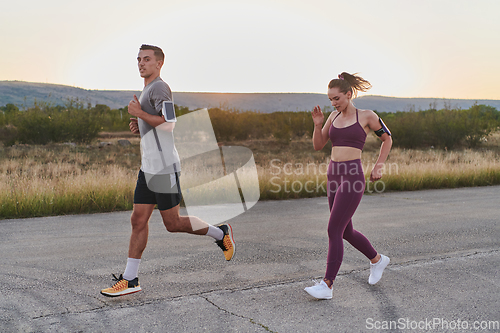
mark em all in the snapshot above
pixel 134 126
pixel 134 107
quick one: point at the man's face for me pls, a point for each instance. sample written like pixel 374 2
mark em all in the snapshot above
pixel 148 65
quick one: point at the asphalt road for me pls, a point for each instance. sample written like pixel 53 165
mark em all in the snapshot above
pixel 443 276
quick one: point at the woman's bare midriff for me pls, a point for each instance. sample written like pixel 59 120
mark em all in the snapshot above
pixel 341 154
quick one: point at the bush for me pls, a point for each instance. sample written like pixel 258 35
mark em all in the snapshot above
pixel 236 125
pixel 44 124
pixel 479 122
pixel 445 128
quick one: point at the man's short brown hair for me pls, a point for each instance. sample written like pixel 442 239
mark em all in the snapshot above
pixel 157 51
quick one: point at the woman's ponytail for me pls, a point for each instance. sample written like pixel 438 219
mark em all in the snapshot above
pixel 350 82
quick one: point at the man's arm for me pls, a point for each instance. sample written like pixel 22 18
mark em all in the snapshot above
pixel 134 108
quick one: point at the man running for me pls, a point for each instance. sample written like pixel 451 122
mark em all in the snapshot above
pixel 150 123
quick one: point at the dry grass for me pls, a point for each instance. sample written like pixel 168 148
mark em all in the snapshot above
pixel 282 176
pixel 415 170
pixel 61 179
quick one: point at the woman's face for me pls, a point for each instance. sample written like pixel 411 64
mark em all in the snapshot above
pixel 340 101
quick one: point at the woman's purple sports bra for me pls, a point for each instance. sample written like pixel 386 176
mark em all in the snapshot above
pixel 351 136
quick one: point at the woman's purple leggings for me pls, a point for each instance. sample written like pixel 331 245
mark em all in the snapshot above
pixel 346 184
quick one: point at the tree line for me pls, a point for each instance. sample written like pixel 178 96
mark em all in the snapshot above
pixel 446 128
pixel 79 123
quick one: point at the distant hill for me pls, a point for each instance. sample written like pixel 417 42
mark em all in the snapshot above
pixel 24 94
pixel 394 104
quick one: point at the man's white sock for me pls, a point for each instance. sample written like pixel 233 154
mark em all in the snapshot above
pixel 215 233
pixel 132 269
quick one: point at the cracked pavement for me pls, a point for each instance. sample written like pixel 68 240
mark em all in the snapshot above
pixel 443 244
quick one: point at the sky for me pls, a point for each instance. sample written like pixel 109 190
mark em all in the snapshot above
pixel 424 48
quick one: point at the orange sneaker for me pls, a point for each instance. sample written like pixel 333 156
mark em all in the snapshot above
pixel 227 243
pixel 122 287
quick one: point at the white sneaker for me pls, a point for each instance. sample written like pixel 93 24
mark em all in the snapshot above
pixel 320 290
pixel 376 270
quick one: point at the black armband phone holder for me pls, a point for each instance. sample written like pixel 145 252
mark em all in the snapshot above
pixel 383 130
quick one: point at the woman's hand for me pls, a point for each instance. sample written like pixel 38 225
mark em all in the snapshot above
pixel 376 172
pixel 317 116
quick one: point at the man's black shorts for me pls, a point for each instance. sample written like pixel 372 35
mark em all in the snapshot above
pixel 143 195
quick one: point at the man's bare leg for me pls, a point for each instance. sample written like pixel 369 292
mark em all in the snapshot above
pixel 189 224
pixel 128 283
pixel 193 225
pixel 140 229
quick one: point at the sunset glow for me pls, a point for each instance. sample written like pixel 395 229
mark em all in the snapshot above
pixel 443 49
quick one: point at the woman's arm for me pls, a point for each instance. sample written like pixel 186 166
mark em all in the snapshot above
pixel 320 134
pixel 385 148
pixel 374 124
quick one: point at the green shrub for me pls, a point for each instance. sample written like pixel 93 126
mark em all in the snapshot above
pixel 445 128
pixel 44 124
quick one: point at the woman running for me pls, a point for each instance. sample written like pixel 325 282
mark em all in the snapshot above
pixel 347 128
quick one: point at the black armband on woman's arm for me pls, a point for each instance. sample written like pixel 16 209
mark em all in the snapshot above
pixel 383 130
